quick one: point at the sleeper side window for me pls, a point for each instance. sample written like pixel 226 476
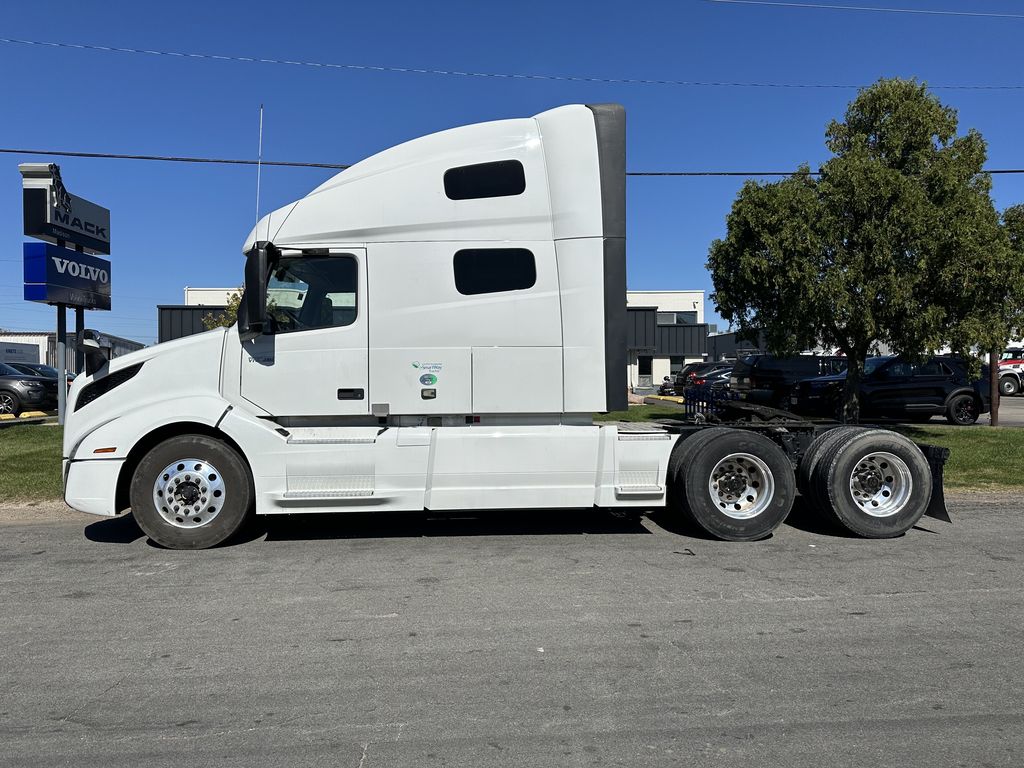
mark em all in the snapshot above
pixel 307 292
pixel 494 270
pixel 501 179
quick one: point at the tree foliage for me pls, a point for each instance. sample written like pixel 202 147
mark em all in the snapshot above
pixel 897 241
pixel 226 318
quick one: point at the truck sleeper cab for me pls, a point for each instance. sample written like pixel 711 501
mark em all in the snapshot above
pixel 432 328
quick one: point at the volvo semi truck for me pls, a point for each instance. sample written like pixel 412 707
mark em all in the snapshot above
pixel 434 329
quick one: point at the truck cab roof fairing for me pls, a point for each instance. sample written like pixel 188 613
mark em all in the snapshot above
pixel 399 194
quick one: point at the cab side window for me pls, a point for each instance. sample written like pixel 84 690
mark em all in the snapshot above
pixel 309 292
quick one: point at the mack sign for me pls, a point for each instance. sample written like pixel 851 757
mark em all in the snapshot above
pixel 55 215
pixel 55 275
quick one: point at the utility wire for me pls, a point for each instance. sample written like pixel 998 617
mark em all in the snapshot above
pixel 165 158
pixel 928 12
pixel 287 164
pixel 461 73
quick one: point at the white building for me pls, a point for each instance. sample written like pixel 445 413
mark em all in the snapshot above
pixel 208 297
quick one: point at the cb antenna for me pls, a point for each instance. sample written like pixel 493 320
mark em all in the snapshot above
pixel 259 166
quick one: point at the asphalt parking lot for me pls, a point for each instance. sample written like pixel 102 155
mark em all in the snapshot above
pixel 1011 412
pixel 512 639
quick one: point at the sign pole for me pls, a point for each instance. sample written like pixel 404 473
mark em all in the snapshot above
pixel 79 333
pixel 62 381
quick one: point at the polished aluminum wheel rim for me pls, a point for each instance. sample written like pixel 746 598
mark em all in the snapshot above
pixel 881 484
pixel 6 403
pixel 189 493
pixel 741 486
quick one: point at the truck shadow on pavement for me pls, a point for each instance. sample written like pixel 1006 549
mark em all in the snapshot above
pixel 370 525
pixel 313 527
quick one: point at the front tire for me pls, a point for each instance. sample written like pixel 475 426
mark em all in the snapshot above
pixel 191 492
pixel 737 485
pixel 9 403
pixel 1008 386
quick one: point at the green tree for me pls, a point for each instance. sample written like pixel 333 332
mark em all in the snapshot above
pixel 227 318
pixel 897 241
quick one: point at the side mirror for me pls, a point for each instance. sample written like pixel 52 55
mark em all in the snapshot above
pixel 252 311
pixel 96 353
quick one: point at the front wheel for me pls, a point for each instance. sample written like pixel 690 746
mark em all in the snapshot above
pixel 962 411
pixel 191 492
pixel 1008 386
pixel 9 404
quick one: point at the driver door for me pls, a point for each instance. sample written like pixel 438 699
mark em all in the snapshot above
pixel 313 360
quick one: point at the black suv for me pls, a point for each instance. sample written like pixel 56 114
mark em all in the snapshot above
pixel 769 380
pixel 19 391
pixel 896 388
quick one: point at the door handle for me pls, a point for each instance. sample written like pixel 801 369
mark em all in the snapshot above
pixel 350 394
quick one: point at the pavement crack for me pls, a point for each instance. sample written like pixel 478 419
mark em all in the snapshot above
pixel 362 757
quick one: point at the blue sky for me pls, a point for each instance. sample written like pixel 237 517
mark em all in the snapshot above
pixel 175 225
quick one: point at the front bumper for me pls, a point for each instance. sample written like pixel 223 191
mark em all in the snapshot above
pixel 91 485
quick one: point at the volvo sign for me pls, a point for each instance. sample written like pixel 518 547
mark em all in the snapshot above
pixel 55 275
pixel 55 215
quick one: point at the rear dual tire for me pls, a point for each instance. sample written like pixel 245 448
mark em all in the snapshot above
pixel 873 482
pixel 733 484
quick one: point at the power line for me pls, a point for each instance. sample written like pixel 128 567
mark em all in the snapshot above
pixel 166 158
pixel 927 12
pixel 287 164
pixel 468 73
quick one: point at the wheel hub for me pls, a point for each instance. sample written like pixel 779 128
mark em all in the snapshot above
pixel 881 484
pixel 741 486
pixel 189 493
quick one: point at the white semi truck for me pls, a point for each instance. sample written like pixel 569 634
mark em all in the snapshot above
pixel 433 329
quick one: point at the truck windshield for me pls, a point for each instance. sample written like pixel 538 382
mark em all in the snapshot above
pixel 308 292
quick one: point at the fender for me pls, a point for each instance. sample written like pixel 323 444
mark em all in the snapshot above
pixel 957 393
pixel 124 431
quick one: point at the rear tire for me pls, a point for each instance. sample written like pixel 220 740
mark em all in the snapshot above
pixel 191 492
pixel 818 448
pixel 875 483
pixel 736 485
pixel 962 410
pixel 9 403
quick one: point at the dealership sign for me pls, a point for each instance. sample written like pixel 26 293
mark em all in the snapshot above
pixel 55 275
pixel 55 215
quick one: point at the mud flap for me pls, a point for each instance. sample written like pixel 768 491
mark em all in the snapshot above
pixel 937 461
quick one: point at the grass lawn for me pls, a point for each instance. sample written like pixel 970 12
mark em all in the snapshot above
pixel 30 463
pixel 980 457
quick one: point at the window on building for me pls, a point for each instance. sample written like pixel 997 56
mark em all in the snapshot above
pixel 501 179
pixel 494 270
pixel 676 364
pixel 677 318
pixel 644 364
pixel 307 292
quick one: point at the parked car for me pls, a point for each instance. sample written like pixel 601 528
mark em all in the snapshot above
pixel 692 373
pixel 769 380
pixel 893 387
pixel 36 369
pixel 19 390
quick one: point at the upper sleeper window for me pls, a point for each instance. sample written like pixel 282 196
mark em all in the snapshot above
pixel 493 270
pixel 500 179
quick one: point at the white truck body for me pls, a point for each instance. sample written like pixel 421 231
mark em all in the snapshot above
pixel 415 386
